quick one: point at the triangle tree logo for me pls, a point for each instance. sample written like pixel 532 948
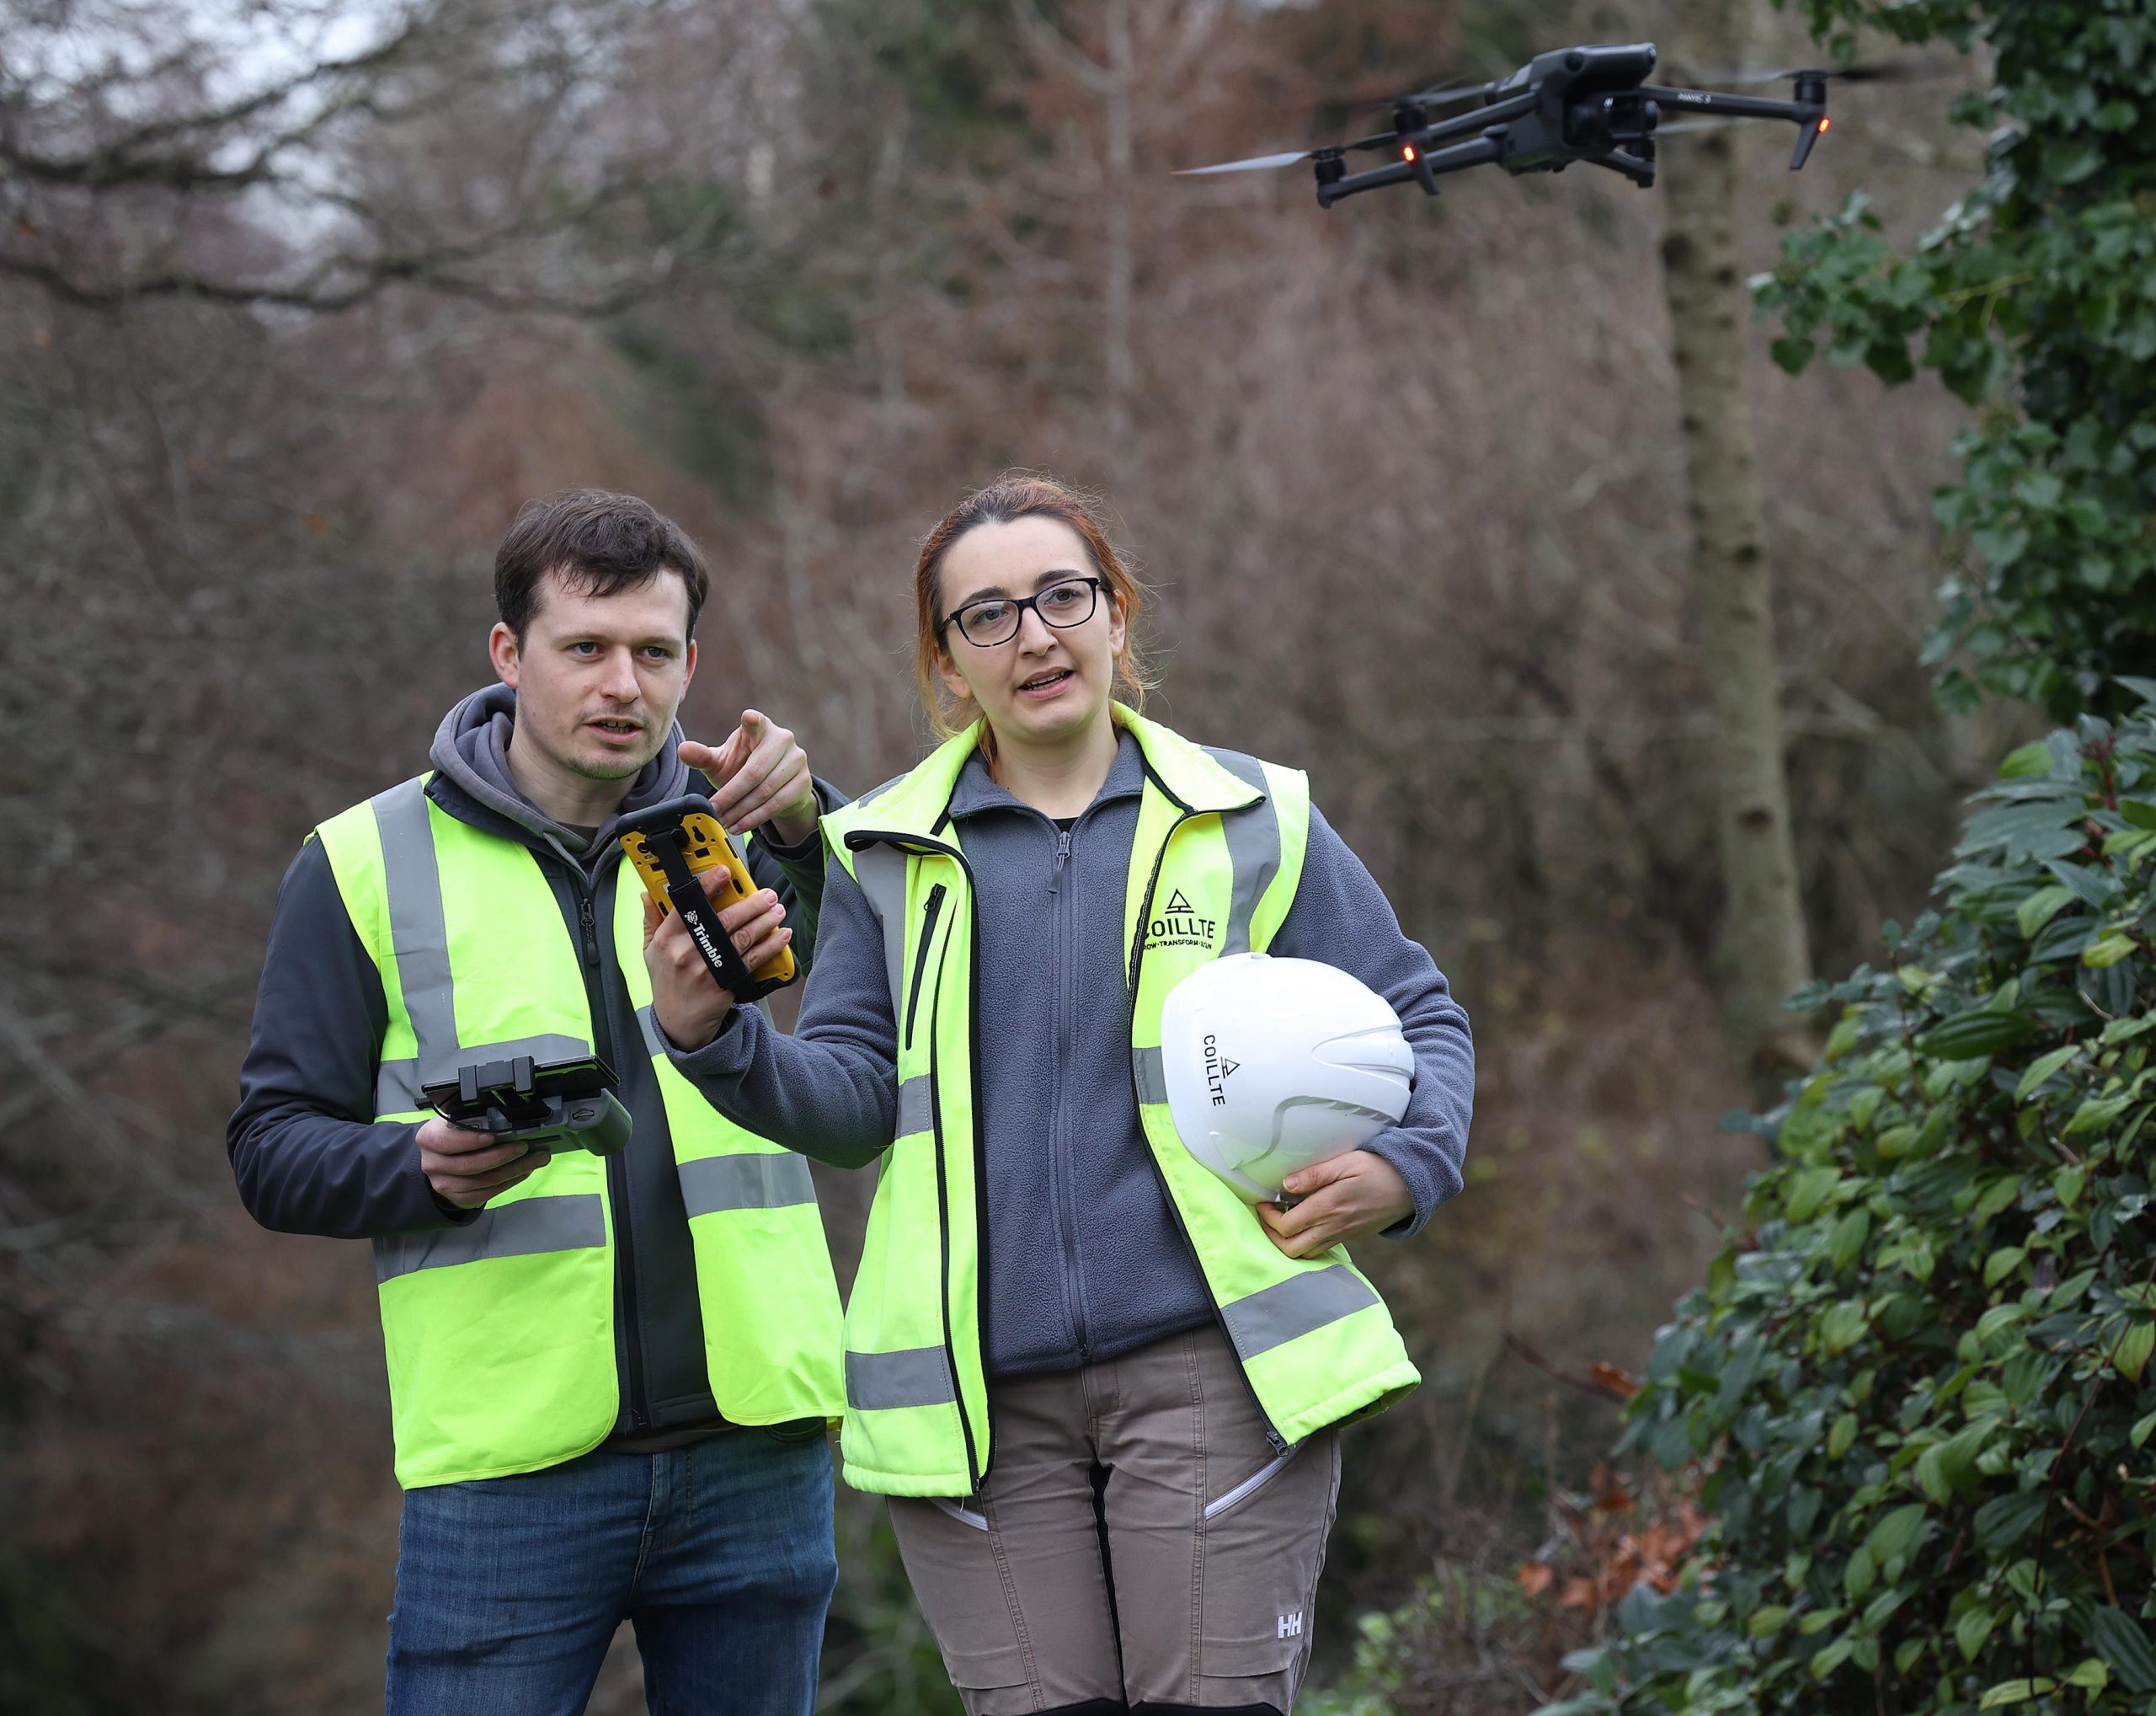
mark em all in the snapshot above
pixel 1226 1067
pixel 1177 903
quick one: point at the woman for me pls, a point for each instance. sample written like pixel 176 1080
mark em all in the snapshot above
pixel 1102 1394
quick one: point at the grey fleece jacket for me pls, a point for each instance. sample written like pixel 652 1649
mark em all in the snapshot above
pixel 1085 1258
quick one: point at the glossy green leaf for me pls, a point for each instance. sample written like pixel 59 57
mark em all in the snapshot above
pixel 2004 1520
pixel 2123 1642
pixel 1971 1631
pixel 1847 1243
pixel 1978 1032
pixel 2132 1356
pixel 2041 1068
pixel 2016 1693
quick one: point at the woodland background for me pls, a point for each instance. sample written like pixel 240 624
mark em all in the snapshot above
pixel 298 303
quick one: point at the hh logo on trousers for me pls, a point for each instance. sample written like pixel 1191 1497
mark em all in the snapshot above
pixel 1291 1626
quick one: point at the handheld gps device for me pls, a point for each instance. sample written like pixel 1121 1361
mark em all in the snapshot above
pixel 561 1105
pixel 672 844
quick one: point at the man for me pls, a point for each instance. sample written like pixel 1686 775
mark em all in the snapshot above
pixel 609 1376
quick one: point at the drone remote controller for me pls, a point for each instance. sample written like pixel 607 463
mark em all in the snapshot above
pixel 562 1105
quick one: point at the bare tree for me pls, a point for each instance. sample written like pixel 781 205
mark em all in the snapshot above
pixel 264 155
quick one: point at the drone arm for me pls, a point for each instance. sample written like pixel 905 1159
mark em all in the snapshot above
pixel 1721 103
pixel 1809 114
pixel 1479 120
pixel 1481 150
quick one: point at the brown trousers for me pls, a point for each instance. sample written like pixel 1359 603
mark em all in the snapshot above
pixel 1138 1541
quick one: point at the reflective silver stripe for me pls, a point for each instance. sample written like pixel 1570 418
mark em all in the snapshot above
pixel 1278 1314
pixel 1253 850
pixel 916 1106
pixel 1256 1481
pixel 521 1229
pixel 1151 1075
pixel 885 1382
pixel 881 870
pixel 758 1182
pixel 396 1083
pixel 419 940
pixel 963 1516
pixel 418 936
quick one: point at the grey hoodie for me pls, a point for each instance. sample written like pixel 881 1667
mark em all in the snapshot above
pixel 1085 1257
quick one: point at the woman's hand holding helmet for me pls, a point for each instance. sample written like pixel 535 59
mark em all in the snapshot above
pixel 1347 1197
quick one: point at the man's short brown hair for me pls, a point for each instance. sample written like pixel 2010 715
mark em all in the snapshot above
pixel 599 544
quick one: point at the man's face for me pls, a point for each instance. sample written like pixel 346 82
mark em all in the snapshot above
pixel 598 678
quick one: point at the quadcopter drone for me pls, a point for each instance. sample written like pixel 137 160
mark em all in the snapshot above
pixel 1587 103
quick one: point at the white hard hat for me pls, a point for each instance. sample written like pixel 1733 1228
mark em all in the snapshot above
pixel 1272 1065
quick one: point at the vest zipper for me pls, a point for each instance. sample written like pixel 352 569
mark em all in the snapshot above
pixel 617 1166
pixel 933 910
pixel 1062 1189
pixel 1279 1443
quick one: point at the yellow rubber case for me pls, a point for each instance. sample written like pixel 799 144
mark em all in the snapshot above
pixel 708 848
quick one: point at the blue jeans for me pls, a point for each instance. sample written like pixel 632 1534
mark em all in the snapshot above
pixel 508 1589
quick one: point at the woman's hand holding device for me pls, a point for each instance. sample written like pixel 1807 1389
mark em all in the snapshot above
pixel 685 996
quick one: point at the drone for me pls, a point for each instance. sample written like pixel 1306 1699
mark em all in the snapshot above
pixel 1585 103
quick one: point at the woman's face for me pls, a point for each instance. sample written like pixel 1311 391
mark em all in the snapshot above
pixel 1048 683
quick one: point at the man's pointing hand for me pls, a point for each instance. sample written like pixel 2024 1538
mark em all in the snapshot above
pixel 759 775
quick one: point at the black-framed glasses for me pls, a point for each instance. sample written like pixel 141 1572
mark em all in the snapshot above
pixel 995 619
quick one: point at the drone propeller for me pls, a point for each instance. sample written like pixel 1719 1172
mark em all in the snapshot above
pixel 1262 163
pixel 1873 72
pixel 1256 163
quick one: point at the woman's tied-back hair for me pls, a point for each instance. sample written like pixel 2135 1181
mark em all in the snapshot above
pixel 1015 495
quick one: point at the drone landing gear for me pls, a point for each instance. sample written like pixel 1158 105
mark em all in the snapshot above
pixel 1636 162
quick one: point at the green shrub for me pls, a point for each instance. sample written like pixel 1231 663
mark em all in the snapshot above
pixel 2034 298
pixel 1465 1642
pixel 1918 1389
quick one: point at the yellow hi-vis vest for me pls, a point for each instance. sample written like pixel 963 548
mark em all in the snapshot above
pixel 500 1332
pixel 1213 867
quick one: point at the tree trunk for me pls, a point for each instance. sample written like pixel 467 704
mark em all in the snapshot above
pixel 1762 953
pixel 1122 262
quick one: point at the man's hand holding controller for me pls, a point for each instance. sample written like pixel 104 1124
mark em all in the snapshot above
pixel 467 1168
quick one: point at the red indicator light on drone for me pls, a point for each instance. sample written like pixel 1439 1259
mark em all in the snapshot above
pixel 1823 121
pixel 1407 153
